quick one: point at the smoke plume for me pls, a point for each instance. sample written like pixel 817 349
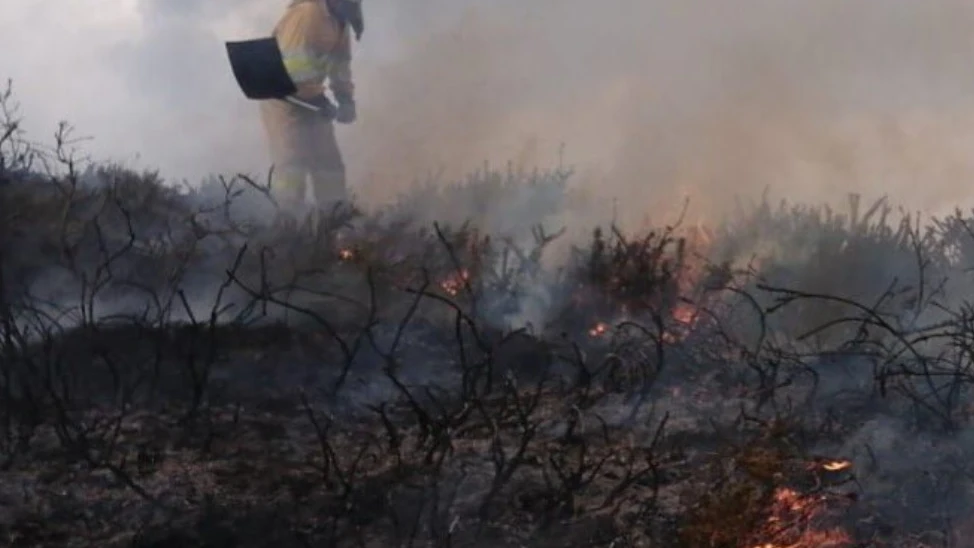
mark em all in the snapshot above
pixel 651 101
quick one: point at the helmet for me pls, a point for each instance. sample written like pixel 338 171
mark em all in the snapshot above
pixel 349 12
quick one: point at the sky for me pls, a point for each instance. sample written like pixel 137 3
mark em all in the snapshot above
pixel 650 100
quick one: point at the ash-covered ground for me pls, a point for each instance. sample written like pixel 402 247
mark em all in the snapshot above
pixel 190 368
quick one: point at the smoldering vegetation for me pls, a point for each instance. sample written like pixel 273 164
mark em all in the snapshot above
pixel 189 367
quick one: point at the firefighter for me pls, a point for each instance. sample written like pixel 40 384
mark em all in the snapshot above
pixel 315 43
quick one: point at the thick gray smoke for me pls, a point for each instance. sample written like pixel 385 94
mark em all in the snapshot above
pixel 653 100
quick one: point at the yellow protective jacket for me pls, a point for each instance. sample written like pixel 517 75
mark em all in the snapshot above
pixel 315 48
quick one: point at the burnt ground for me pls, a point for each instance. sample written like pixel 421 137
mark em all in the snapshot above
pixel 194 369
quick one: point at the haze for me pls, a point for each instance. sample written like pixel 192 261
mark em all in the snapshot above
pixel 653 99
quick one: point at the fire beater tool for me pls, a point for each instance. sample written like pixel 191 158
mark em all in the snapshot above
pixel 259 70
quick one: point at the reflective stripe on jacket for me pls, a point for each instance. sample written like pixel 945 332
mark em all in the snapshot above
pixel 315 48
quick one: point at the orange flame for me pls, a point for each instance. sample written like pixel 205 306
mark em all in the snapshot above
pixel 829 465
pixel 837 465
pixel 789 524
pixel 346 254
pixel 685 314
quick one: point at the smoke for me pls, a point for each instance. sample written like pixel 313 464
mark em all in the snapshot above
pixel 660 100
pixel 653 101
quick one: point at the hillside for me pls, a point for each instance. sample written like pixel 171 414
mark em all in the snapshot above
pixel 183 367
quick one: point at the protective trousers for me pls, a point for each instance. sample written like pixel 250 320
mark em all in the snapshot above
pixel 303 146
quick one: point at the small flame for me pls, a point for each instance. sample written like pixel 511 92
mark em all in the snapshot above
pixel 598 329
pixel 790 500
pixel 837 465
pixel 346 254
pixel 791 519
pixel 685 314
pixel 455 282
pixel 830 465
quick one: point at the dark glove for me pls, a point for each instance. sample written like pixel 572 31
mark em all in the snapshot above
pixel 346 111
pixel 327 107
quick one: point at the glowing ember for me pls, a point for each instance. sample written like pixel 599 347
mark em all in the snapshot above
pixel 790 523
pixel 685 314
pixel 346 254
pixel 598 330
pixel 453 284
